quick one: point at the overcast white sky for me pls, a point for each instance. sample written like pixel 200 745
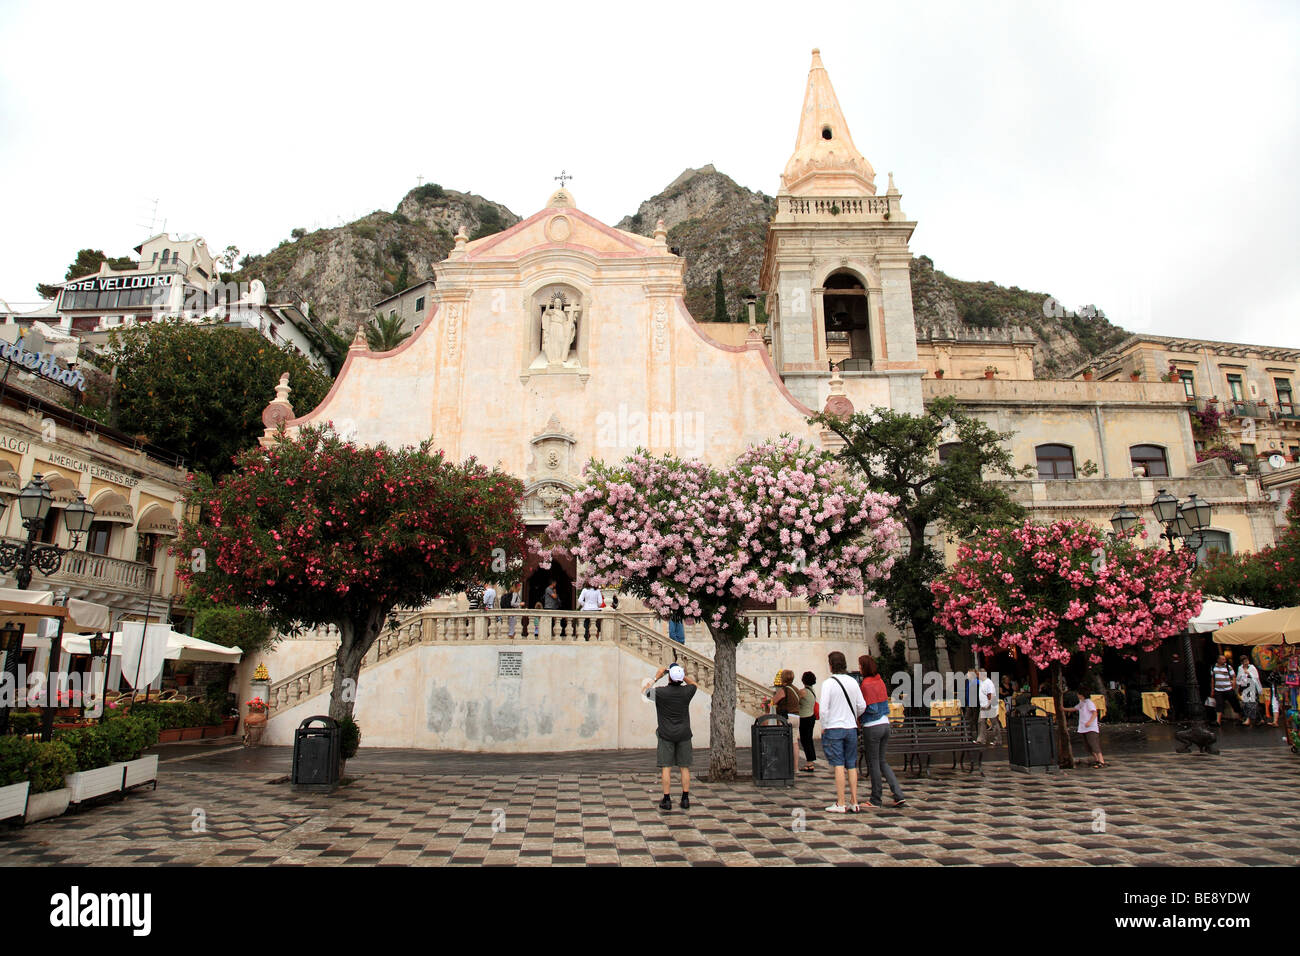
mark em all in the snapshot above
pixel 1140 156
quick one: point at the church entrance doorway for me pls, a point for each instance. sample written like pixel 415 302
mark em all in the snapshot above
pixel 563 571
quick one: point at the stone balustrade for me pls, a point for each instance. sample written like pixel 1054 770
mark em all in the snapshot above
pixel 533 627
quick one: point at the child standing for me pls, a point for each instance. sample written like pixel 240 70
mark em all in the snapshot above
pixel 1089 726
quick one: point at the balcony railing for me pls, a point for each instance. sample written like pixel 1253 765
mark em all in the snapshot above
pixel 874 205
pixel 100 571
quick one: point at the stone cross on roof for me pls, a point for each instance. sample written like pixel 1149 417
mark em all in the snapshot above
pixel 563 177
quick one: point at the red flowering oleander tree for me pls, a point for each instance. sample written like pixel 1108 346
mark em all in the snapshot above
pixel 1053 591
pixel 785 520
pixel 317 530
pixel 1269 577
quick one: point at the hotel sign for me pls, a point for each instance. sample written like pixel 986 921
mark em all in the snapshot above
pixel 42 363
pixel 109 283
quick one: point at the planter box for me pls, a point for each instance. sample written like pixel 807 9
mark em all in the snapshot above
pixel 191 733
pixel 95 783
pixel 169 736
pixel 141 771
pixel 229 725
pixel 216 730
pixel 13 800
pixel 42 806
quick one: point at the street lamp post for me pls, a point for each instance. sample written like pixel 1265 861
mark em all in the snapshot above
pixel 1185 521
pixel 34 503
pixel 11 645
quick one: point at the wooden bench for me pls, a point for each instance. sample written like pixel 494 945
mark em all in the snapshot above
pixel 919 736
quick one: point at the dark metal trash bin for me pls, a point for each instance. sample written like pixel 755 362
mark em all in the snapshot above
pixel 1031 743
pixel 316 755
pixel 772 743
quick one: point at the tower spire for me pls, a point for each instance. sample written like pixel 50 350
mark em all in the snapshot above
pixel 825 161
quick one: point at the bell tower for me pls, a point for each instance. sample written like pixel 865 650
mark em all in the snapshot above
pixel 836 267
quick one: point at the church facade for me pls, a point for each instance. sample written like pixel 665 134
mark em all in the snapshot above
pixel 562 339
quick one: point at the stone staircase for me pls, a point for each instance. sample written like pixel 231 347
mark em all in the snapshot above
pixel 636 636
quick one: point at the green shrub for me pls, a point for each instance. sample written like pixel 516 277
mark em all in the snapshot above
pixel 23 722
pixel 44 765
pixel 15 756
pixel 427 193
pixel 50 764
pixel 90 747
pixel 129 736
pixel 247 629
pixel 349 738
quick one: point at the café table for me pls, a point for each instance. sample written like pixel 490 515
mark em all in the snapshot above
pixel 1155 704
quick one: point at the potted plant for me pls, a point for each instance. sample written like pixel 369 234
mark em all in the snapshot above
pixel 255 722
pixel 15 753
pixel 47 769
pixel 938 373
pixel 990 371
pixel 1088 374
pixel 1134 376
pixel 96 774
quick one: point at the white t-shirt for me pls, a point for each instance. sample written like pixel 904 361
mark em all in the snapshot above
pixel 841 711
pixel 988 698
pixel 589 599
pixel 1088 716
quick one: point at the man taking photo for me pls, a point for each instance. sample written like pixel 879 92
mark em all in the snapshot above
pixel 673 706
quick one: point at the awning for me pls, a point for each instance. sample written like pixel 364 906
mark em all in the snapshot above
pixel 64 490
pixel 1217 614
pixel 113 508
pixel 10 483
pixel 180 647
pixel 156 520
pixel 81 617
pixel 1271 627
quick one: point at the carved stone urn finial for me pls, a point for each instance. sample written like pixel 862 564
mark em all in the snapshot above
pixel 359 343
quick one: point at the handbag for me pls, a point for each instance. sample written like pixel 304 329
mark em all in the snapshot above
pixel 1209 702
pixel 817 710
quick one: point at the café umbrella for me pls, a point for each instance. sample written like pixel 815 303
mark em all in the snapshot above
pixel 1271 627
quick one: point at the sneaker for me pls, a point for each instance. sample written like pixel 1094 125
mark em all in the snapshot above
pixel 900 801
pixel 686 801
pixel 837 808
pixel 666 803
pixel 865 805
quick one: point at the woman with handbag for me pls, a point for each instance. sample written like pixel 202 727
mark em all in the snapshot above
pixel 808 720
pixel 875 734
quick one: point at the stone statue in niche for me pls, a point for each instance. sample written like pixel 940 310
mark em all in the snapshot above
pixel 559 323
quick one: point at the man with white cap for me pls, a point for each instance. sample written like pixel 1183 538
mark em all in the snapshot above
pixel 673 706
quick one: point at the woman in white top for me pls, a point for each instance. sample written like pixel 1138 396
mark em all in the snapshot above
pixel 1248 688
pixel 589 602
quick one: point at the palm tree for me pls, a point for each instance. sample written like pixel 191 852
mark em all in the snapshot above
pixel 385 334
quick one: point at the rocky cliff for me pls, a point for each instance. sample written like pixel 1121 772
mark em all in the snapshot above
pixel 342 272
pixel 718 225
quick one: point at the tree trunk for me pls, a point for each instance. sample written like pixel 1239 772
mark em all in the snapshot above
pixel 926 645
pixel 355 639
pixel 722 712
pixel 1064 754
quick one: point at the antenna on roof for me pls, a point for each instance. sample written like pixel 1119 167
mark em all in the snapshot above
pixel 153 219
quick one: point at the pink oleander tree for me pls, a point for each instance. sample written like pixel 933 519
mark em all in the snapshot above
pixel 1050 592
pixel 784 521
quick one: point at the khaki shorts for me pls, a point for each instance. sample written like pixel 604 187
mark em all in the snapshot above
pixel 674 753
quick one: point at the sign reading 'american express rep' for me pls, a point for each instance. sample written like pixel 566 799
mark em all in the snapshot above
pixel 42 363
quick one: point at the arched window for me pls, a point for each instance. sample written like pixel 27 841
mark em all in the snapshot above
pixel 166 255
pixel 1150 457
pixel 946 450
pixel 1055 461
